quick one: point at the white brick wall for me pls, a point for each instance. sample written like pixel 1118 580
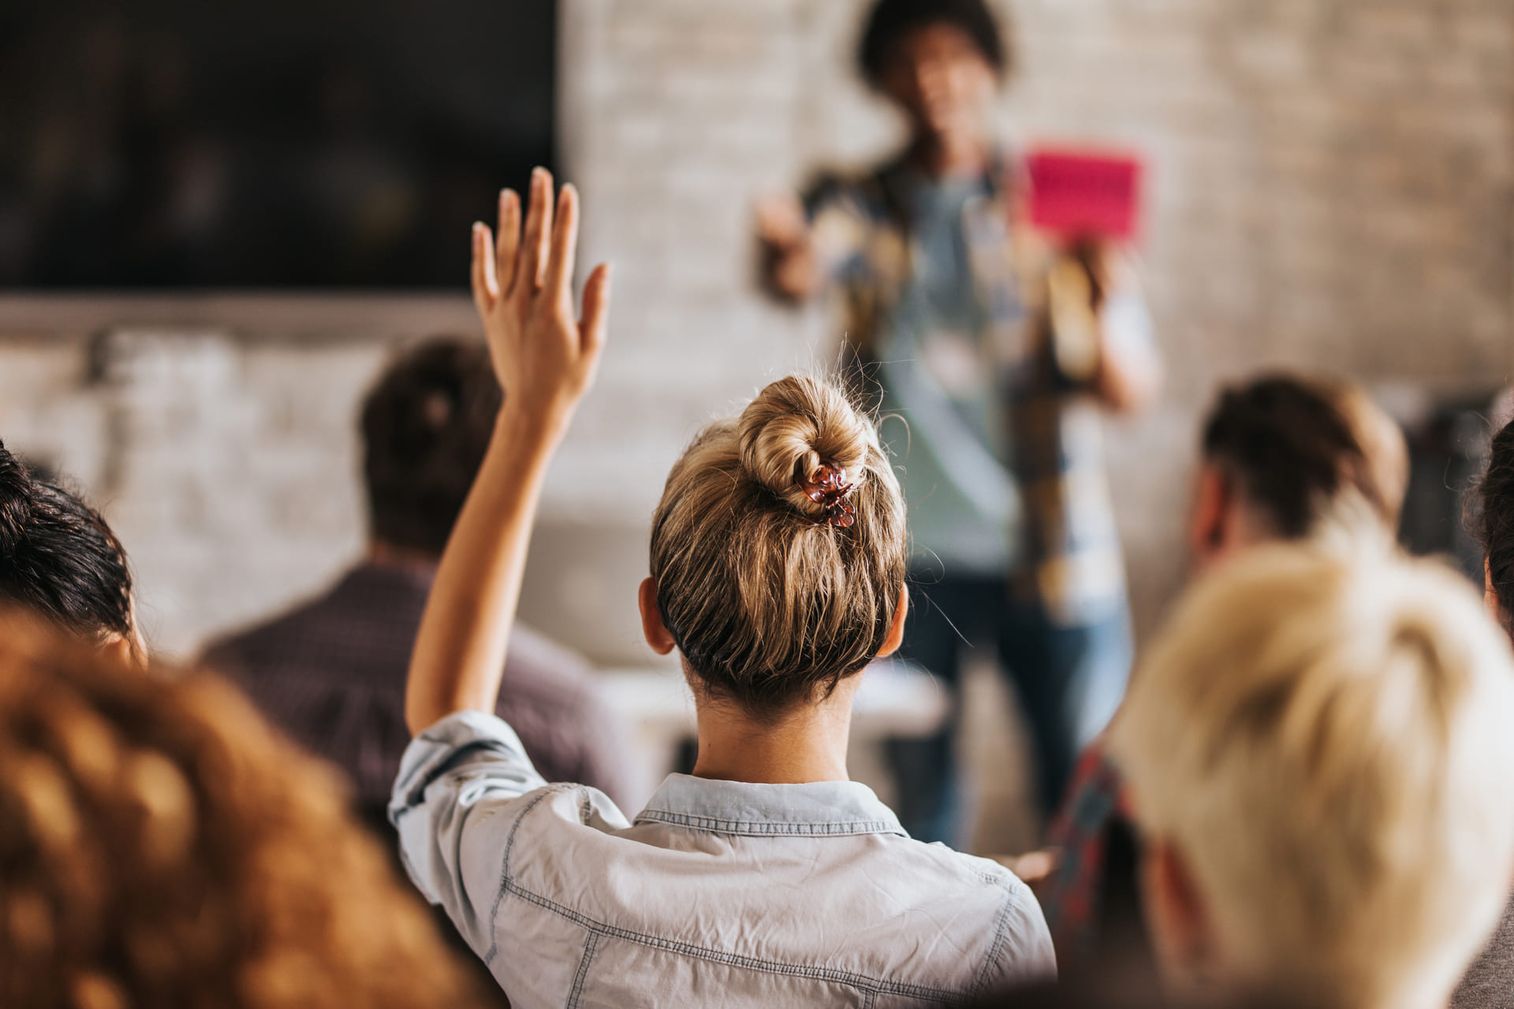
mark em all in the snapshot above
pixel 1333 186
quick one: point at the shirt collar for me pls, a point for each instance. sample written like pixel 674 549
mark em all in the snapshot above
pixel 821 808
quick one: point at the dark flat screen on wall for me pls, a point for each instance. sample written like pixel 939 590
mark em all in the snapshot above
pixel 263 144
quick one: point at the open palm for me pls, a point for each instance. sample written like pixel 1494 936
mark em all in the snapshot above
pixel 544 351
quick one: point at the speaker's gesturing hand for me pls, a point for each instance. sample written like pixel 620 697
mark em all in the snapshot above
pixel 544 350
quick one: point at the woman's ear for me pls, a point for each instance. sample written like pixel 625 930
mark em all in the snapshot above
pixel 652 628
pixel 1490 595
pixel 1210 514
pixel 896 629
pixel 129 651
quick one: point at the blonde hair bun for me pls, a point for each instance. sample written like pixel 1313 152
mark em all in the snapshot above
pixel 795 427
pixel 771 595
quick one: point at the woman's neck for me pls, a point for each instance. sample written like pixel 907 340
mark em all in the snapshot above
pixel 804 745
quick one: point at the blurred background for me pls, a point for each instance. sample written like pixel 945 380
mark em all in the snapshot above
pixel 215 222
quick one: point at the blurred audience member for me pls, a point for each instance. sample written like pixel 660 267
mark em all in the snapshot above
pixel 59 559
pixel 950 312
pixel 161 846
pixel 332 671
pixel 1282 458
pixel 1490 982
pixel 767 877
pixel 1287 458
pixel 1319 763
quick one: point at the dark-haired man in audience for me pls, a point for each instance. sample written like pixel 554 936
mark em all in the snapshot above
pixel 1282 458
pixel 1490 982
pixel 331 671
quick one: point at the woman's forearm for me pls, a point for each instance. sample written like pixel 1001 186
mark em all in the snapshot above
pixel 459 653
pixel 545 357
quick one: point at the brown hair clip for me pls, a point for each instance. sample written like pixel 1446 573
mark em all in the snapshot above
pixel 827 486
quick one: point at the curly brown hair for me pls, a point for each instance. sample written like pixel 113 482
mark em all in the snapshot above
pixel 161 845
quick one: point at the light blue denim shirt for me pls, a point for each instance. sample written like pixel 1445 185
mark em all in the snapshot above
pixel 720 894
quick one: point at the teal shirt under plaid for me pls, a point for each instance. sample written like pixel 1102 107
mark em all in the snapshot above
pixel 1068 554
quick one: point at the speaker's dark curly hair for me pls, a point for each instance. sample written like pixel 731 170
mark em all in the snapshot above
pixel 891 20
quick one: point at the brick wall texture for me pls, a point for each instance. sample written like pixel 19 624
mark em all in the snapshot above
pixel 1332 187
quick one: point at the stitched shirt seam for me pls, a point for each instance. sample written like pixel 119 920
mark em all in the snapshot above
pixel 504 870
pixel 1001 935
pixel 591 944
pixel 859 981
pixel 769 828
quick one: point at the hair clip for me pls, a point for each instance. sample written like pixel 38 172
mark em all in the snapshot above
pixel 828 487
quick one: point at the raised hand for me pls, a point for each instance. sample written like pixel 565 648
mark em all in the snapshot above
pixel 545 352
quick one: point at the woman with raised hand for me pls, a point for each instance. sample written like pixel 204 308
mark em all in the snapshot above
pixel 778 556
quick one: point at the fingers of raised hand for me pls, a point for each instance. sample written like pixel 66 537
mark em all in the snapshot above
pixel 594 321
pixel 505 253
pixel 532 264
pixel 558 289
pixel 485 282
pixel 532 259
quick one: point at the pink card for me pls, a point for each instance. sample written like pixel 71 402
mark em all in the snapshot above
pixel 1085 194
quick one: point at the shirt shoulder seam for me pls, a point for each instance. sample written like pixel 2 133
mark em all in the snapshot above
pixel 504 872
pixel 1001 934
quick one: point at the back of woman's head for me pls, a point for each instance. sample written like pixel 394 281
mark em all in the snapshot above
pixel 59 558
pixel 1306 452
pixel 774 588
pixel 160 845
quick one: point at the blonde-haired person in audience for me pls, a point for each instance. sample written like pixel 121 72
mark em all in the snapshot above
pixel 1282 458
pixel 1319 759
pixel 160 845
pixel 766 877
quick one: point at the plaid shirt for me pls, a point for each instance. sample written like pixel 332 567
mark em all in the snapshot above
pixel 1071 896
pixel 1070 558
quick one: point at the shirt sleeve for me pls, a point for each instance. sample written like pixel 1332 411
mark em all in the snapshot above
pixel 1023 953
pixel 462 785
